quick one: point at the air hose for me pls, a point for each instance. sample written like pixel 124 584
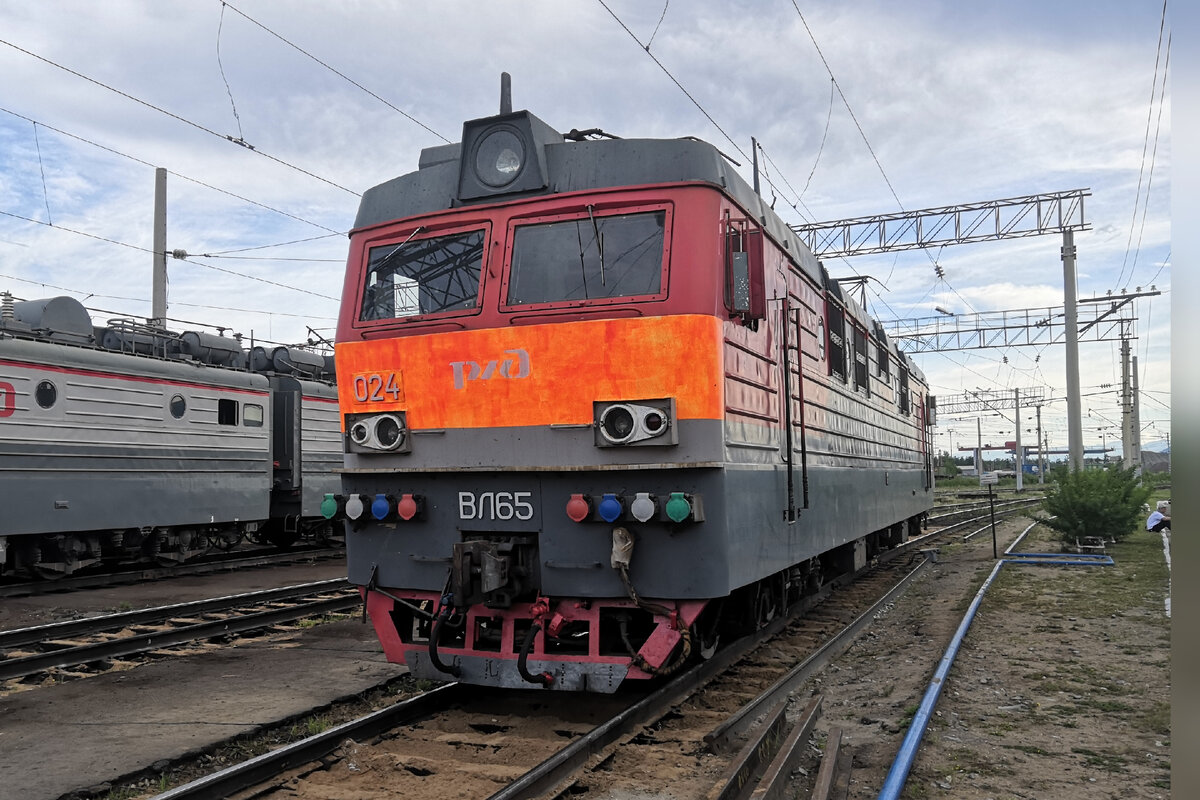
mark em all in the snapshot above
pixel 544 678
pixel 434 634
pixel 622 555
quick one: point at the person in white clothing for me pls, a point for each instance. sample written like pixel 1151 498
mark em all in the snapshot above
pixel 1158 521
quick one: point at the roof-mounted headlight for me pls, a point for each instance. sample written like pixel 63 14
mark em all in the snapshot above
pixel 504 154
pixel 499 157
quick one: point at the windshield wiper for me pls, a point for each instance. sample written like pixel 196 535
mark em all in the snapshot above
pixel 599 243
pixel 396 251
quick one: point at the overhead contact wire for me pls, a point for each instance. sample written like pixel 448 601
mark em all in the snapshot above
pixel 667 72
pixel 1146 139
pixel 181 176
pixel 175 116
pixel 188 259
pixel 341 75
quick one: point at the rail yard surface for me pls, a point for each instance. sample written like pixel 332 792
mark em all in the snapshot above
pixel 96 730
pixel 1061 689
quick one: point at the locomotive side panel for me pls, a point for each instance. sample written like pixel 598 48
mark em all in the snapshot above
pixel 320 445
pixel 856 461
pixel 83 434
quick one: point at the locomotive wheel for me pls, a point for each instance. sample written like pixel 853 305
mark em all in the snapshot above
pixel 225 543
pixel 276 533
pixel 50 572
pixel 767 602
pixel 282 539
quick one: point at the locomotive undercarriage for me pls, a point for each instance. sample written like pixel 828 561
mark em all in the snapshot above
pixel 58 555
pixel 491 625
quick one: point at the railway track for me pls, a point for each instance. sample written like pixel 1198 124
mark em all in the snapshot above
pixel 79 647
pixel 223 563
pixel 488 745
pixel 466 741
pixel 956 512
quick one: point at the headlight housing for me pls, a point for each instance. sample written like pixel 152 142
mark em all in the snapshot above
pixel 634 423
pixel 378 433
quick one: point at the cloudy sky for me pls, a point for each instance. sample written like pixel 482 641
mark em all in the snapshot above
pixel 935 103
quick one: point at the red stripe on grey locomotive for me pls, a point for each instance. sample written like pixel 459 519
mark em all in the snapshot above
pixel 109 455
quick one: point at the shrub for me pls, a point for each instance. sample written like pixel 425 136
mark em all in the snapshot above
pixel 1096 502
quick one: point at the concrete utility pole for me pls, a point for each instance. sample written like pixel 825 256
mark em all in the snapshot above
pixel 1127 449
pixel 1074 407
pixel 1137 418
pixel 158 298
pixel 1020 454
pixel 979 446
pixel 1041 449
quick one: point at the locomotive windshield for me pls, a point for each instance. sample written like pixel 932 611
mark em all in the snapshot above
pixel 423 276
pixel 588 258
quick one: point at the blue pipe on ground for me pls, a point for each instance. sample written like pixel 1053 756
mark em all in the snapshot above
pixel 893 784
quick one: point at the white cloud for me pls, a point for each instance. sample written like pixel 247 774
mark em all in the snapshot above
pixel 960 103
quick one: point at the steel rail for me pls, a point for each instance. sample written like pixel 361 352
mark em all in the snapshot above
pixel 82 654
pixel 263 768
pixel 20 637
pixel 549 774
pixel 566 762
pixel 76 582
pixel 736 725
pixel 1008 505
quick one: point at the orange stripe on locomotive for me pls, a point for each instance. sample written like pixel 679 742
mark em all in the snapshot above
pixel 473 378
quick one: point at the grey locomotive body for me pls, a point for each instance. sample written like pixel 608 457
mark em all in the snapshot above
pixel 126 444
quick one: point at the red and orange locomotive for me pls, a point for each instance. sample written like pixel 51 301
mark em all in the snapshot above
pixel 601 404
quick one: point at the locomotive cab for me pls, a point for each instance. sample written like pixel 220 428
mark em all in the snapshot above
pixel 585 402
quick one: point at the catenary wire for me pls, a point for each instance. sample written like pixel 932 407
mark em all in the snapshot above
pixel 196 181
pixel 1153 159
pixel 175 116
pixel 221 68
pixel 188 260
pixel 42 170
pixel 661 17
pixel 674 80
pixel 341 75
pixel 1146 140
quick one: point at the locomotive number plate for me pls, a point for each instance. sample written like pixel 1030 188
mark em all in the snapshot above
pixel 378 387
pixel 496 506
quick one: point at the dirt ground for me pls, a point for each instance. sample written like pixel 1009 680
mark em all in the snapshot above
pixel 1061 688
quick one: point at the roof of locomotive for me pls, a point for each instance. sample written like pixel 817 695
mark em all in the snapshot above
pixel 576 166
pixel 573 166
pixel 65 322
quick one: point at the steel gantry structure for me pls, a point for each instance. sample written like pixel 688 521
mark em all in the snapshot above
pixel 1100 319
pixel 987 400
pixel 1010 218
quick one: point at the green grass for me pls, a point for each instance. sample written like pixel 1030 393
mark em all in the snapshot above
pixel 1105 761
pixel 312 622
pixel 1138 579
